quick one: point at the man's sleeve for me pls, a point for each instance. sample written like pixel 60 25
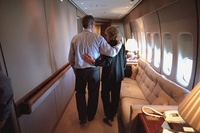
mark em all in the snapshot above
pixel 124 56
pixel 106 49
pixel 71 57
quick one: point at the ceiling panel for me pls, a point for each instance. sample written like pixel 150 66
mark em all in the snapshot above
pixel 106 9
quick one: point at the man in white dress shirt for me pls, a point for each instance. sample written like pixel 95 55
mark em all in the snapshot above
pixel 93 44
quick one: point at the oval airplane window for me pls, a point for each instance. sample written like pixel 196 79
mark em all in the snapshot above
pixel 188 69
pixel 157 51
pixel 167 66
pixel 149 48
pixel 143 45
pixel 167 53
pixel 139 43
pixel 185 58
pixel 135 36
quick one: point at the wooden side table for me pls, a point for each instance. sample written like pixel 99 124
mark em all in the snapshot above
pixel 149 124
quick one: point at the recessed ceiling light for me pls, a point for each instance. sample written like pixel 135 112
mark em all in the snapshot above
pixel 82 3
pixel 85 7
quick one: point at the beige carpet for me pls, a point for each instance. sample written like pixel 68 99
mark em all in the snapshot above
pixel 69 123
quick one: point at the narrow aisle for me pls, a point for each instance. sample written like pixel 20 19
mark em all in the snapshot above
pixel 69 123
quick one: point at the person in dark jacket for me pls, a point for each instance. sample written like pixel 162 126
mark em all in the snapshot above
pixel 6 97
pixel 88 42
pixel 112 75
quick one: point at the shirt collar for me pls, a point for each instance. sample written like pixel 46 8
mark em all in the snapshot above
pixel 87 30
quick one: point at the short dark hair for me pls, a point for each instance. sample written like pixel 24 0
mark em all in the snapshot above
pixel 87 21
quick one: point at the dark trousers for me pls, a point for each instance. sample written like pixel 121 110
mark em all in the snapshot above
pixel 110 97
pixel 90 77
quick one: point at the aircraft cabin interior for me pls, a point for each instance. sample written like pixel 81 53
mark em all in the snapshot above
pixel 161 89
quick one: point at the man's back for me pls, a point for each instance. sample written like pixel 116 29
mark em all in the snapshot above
pixel 85 43
pixel 89 43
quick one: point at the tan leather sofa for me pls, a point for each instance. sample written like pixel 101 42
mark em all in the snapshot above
pixel 146 87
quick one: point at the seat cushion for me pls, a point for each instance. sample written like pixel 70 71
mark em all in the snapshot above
pixel 134 71
pixel 126 107
pixel 130 89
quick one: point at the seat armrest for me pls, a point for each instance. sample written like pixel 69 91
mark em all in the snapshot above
pixel 136 109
